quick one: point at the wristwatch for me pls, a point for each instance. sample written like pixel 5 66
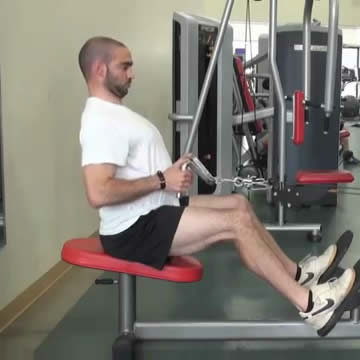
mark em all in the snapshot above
pixel 162 179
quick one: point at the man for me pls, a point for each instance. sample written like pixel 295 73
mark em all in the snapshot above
pixel 130 179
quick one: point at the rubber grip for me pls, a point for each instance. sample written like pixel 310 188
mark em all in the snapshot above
pixel 299 118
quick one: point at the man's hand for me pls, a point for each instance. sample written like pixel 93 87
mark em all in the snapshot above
pixel 178 180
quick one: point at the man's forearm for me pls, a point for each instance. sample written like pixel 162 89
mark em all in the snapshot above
pixel 116 191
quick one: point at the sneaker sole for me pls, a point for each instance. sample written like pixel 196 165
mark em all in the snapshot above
pixel 346 303
pixel 342 246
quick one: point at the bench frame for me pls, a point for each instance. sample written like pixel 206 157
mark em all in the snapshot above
pixel 222 330
pixel 88 253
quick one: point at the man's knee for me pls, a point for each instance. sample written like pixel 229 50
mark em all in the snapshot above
pixel 242 215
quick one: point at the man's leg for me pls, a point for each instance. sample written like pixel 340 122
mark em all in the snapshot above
pixel 233 202
pixel 201 227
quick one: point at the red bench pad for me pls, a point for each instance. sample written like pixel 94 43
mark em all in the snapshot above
pixel 88 252
pixel 324 177
pixel 344 134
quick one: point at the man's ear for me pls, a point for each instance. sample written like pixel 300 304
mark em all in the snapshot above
pixel 99 69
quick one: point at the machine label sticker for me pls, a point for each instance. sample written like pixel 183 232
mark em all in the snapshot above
pixel 318 48
pixel 289 117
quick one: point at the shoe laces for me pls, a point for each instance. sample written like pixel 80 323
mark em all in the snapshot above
pixel 333 282
pixel 305 259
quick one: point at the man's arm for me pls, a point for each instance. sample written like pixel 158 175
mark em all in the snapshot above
pixel 103 189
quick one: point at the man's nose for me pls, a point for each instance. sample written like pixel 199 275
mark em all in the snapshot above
pixel 131 74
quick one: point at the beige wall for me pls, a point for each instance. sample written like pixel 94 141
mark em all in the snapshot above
pixel 288 10
pixel 43 95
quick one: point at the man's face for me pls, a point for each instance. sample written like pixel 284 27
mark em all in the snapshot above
pixel 120 73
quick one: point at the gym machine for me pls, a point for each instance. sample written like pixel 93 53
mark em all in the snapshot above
pixel 193 44
pixel 304 106
pixel 316 141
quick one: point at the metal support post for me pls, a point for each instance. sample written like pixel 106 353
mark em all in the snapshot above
pixel 261 114
pixel 240 330
pixel 355 315
pixel 127 303
pixel 281 101
pixel 307 49
pixel 209 75
pixel 331 61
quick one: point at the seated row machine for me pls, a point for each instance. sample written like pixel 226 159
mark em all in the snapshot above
pixel 88 253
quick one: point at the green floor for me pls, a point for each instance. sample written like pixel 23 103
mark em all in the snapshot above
pixel 86 327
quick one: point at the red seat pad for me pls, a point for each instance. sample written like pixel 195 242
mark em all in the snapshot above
pixel 324 177
pixel 88 252
pixel 344 134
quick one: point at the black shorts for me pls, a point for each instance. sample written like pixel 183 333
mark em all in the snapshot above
pixel 149 240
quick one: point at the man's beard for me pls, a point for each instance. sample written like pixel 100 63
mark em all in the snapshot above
pixel 119 90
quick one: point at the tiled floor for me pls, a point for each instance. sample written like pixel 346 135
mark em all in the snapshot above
pixel 76 320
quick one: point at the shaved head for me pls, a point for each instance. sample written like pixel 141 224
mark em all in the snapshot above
pixel 97 49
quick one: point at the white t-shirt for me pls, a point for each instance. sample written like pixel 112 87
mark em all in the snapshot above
pixel 114 134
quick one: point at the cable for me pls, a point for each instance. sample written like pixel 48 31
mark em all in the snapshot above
pixel 251 88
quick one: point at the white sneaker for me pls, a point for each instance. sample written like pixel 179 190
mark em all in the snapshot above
pixel 312 267
pixel 327 297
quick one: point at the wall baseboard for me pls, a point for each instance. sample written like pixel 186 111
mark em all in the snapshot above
pixel 22 302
